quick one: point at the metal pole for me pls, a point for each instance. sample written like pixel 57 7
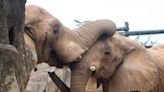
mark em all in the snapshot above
pixel 125 31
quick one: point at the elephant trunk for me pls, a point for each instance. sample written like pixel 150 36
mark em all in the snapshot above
pixel 87 34
pixel 69 46
pixel 79 77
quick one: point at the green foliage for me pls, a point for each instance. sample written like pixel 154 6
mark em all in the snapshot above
pixel 147 43
pixel 80 23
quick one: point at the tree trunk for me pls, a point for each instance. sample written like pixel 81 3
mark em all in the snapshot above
pixel 15 58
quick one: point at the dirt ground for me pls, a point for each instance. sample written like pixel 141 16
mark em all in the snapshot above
pixel 41 82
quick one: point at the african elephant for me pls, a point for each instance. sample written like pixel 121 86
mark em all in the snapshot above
pixel 121 65
pixel 37 22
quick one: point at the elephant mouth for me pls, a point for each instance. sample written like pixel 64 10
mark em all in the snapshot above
pixel 93 73
pixel 101 74
pixel 54 58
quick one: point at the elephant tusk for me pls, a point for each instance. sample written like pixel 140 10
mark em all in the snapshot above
pixel 93 68
pixel 78 58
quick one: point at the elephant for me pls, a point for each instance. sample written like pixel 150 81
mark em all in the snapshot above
pixel 37 22
pixel 120 65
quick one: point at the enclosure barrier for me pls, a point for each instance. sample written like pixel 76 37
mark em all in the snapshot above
pixel 125 31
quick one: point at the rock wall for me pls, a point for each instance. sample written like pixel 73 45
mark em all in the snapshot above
pixel 15 61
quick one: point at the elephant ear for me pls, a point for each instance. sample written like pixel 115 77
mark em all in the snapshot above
pixel 137 73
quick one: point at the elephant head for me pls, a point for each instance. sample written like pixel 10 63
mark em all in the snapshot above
pixel 37 22
pixel 125 64
pixel 67 46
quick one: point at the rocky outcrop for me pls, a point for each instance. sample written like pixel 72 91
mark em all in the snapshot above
pixel 15 58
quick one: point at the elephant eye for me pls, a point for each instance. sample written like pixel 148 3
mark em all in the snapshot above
pixel 56 30
pixel 107 53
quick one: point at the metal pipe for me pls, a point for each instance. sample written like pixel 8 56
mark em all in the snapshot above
pixel 125 31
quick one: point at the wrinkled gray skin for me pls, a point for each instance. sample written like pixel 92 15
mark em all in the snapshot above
pixel 122 65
